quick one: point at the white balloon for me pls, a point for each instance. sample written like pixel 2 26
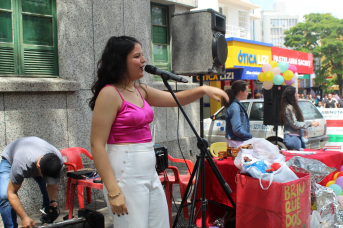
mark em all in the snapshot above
pixel 266 67
pixel 276 71
pixel 267 85
pixel 340 199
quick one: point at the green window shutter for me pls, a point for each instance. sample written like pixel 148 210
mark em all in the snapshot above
pixel 5 4
pixel 28 38
pixel 160 38
pixel 38 38
pixel 37 30
pixel 37 6
pixel 7 59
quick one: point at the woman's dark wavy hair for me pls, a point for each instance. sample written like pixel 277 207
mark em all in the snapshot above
pixel 236 87
pixel 112 65
pixel 288 98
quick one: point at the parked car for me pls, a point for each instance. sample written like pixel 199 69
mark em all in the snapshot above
pixel 214 127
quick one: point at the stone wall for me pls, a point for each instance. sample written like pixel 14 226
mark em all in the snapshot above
pixel 57 111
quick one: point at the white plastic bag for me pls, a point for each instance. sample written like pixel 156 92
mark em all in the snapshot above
pixel 265 150
pixel 282 175
pixel 316 220
pixel 239 160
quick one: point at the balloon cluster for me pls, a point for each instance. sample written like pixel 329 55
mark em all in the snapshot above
pixel 280 73
pixel 337 185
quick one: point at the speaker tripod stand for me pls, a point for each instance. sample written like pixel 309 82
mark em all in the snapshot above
pixel 202 144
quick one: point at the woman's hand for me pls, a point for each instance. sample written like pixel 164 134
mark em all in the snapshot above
pixel 118 205
pixel 315 123
pixel 214 92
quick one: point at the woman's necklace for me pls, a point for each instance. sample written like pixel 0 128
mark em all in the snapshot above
pixel 134 92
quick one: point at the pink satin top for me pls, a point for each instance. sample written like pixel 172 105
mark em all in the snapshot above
pixel 131 124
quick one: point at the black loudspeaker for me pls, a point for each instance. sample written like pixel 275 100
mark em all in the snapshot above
pixel 94 219
pixel 161 158
pixel 272 105
pixel 198 43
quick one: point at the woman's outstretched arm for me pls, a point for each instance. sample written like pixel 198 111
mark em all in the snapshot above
pixel 161 98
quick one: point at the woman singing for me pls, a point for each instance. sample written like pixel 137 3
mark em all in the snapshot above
pixel 292 119
pixel 237 121
pixel 121 115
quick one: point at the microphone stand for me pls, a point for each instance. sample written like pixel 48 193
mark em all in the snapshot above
pixel 202 144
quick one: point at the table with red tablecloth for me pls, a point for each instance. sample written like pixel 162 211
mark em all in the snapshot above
pixel 213 190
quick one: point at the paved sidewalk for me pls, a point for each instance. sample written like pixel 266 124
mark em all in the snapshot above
pixel 99 204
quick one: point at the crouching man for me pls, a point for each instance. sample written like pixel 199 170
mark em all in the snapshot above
pixel 25 158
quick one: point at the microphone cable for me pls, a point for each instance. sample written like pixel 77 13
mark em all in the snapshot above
pixel 165 175
pixel 179 144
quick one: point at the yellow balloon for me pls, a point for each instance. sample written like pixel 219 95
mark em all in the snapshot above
pixel 335 176
pixel 330 183
pixel 269 75
pixel 261 77
pixel 274 64
pixel 288 75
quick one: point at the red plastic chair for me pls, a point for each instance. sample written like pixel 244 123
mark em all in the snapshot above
pixel 74 162
pixel 181 180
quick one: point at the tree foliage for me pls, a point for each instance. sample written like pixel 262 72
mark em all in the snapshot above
pixel 321 35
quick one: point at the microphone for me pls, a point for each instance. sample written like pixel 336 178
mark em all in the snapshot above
pixel 164 74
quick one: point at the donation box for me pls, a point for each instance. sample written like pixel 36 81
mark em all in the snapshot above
pixel 283 205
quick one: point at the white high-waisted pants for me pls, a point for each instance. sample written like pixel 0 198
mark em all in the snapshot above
pixel 133 166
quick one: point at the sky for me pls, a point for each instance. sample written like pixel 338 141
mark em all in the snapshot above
pixel 302 7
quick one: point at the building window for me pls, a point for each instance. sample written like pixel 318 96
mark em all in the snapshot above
pixel 283 22
pixel 274 22
pixel 241 23
pixel 293 22
pixel 28 38
pixel 274 31
pixel 160 38
pixel 290 22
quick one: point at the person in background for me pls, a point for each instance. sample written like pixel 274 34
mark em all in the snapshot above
pixel 121 140
pixel 335 97
pixel 25 158
pixel 237 120
pixel 325 98
pixel 303 137
pixel 257 96
pixel 318 99
pixel 340 102
pixel 311 99
pixel 330 103
pixel 320 105
pixel 249 96
pixel 301 96
pixel 292 119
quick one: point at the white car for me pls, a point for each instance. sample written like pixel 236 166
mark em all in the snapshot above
pixel 214 127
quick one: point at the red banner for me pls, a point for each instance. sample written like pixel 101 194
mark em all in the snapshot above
pixel 334 123
pixel 303 61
